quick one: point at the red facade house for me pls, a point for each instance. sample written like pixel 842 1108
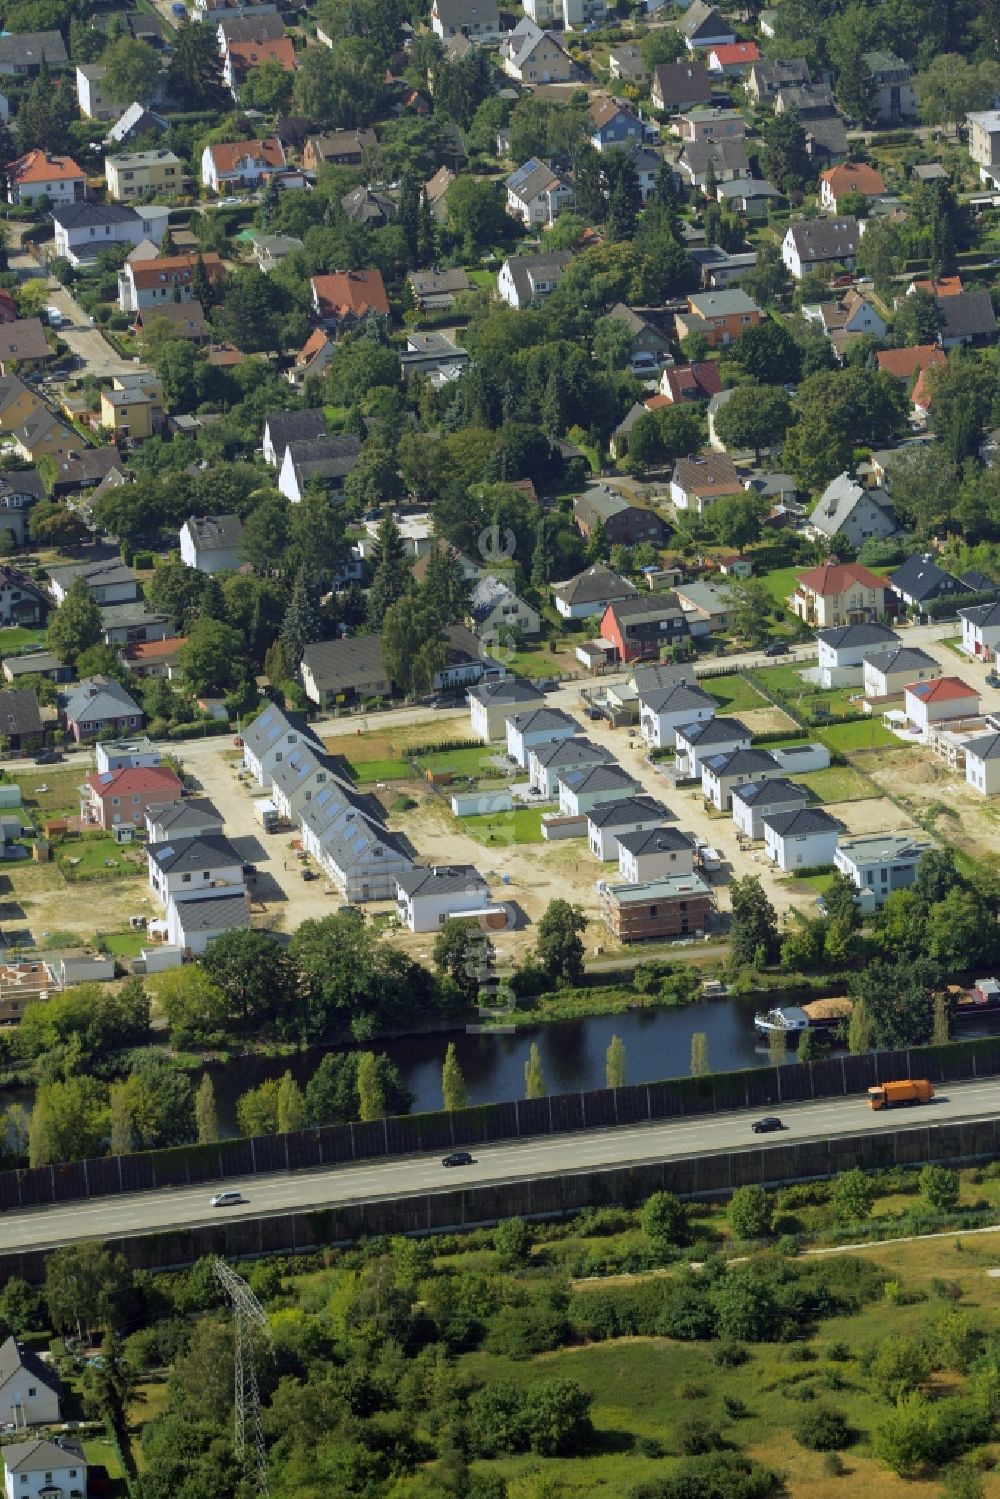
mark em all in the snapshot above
pixel 119 798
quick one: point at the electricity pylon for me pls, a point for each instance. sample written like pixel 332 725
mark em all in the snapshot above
pixel 249 1319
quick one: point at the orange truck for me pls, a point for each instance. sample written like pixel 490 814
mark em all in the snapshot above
pixel 912 1090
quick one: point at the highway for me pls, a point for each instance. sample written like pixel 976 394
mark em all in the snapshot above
pixel 183 1207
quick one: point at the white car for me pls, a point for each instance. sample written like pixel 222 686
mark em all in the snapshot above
pixel 54 316
pixel 227 1199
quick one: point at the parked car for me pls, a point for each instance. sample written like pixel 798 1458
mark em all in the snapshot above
pixel 777 648
pixel 458 1158
pixel 767 1125
pixel 49 757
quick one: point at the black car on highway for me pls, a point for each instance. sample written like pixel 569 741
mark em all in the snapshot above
pixel 767 1125
pixel 458 1158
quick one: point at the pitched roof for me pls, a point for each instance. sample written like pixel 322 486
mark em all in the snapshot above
pixel 335 144
pixel 802 821
pixel 676 697
pixel 29 49
pixel 508 690
pixel 603 110
pixel 966 315
pixel 175 268
pixel 250 28
pixel 819 240
pixel 838 502
pixel 524 269
pixel 350 293
pixel 941 690
pixel 702 19
pixel 655 841
pixel 899 658
pixel 268 152
pixel 714 731
pixel 982 614
pixel 730 53
pixel 39 1456
pixel 15 1356
pixel 726 155
pixel 570 752
pixel 681 83
pixel 214 532
pixel 283 427
pixel 598 778
pixel 853 177
pixel 324 457
pixel 707 474
pixel 740 762
pixel 627 809
pixel 42 166
pixel 440 879
pixel 272 724
pixel 214 913
pixel 536 719
pixel 97 698
pixel 919 577
pixel 135 780
pixel 832 578
pixel 83 215
pixel 983 747
pixel 23 339
pixel 693 382
pixel 865 632
pixel 905 363
pixel 203 851
pixel 189 811
pixel 19 712
pixel 245 56
pixel 773 792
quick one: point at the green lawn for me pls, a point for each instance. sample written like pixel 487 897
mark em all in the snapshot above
pixel 63 794
pixel 521 825
pixel 806 696
pixel 954 643
pixel 780 582
pixel 15 640
pixel 124 944
pixel 838 783
pixel 485 280
pixel 533 661
pixel 476 761
pixel 367 771
pixel 733 693
pixel 867 733
pixel 96 856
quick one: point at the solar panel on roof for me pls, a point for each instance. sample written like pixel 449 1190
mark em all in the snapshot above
pixel 165 853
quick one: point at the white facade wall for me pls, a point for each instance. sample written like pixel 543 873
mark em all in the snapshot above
pixel 25 1401
pixel 426 913
pixel 800 851
pixel 195 884
pixel 71 1477
pixel 660 729
pixel 520 743
pixel 982 775
pixel 636 869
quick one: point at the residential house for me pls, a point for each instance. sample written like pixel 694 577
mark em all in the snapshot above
pixel 491 703
pixel 98 705
pixel 436 188
pixel 919 579
pixel 710 125
pixel 40 1469
pixel 601 507
pixel 35 430
pixel 21 601
pixel 23 347
pixel 766 79
pixel 337 148
pixel 211 543
pixel 241 164
pixel 664 710
pixel 427 898
pixel 132 175
pixel 192 817
pixel 843 649
pixel 846 318
pixel 284 427
pixel 654 854
pixel 756 800
pixel 269 737
pixel 119 798
pixel 726 160
pixel 169 278
pixel 641 628
pixel 498 615
pixel 982 773
pixel 19 490
pixel 22 53
pixel 838 593
pixel 750 198
pixel 697 482
pixel 243 58
pixel 30 1390
pixel 584 788
pixel 626 63
pixel 893 94
pixel 532 55
pixel 136 752
pixel 40 174
pixel 847 510
pixel 537 726
pixel 612 125
pixel 913 364
pixel 193 925
pixel 707 608
pixel 721 774
pixel 702 27
pixel 21 726
pixel 849 179
pixel 647 340
pixel 705 739
pixel 110 582
pixel 343 833
pixel 464 18
pixel 981 630
pixel 328 459
pixel 721 315
pixel 579 14
pixel 691 382
pixel 92 95
pixel 435 355
pixel 966 319
pixel 718 267
pixel 269 250
pixel 804 838
pixel 824 127
pixel 939 700
pixel 257 27
pixel 815 244
pixel 879 863
pixel 886 672
pixel 133 408
pixel 548 761
pixel 363 205
pixel 984 143
pixel 335 671
pixel 296 779
pixel 34 664
pixel 733 59
pixel 524 279
pixel 608 820
pixel 590 592
pixel 657 909
pixel 194 868
pixel 342 300
pixel 83 229
pixel 537 194
pixel 135 123
pixel 678 86
pixel 313 358
pixel 132 623
pixel 436 290
pixel 174 320
pixel 152 656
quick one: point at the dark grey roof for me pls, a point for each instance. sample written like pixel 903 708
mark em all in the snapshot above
pixel 974 580
pixel 741 762
pixel 966 315
pixel 984 747
pixel 864 633
pixel 203 851
pixel 509 690
pixel 273 724
pixel 571 752
pixel 216 913
pixel 19 712
pixel 190 812
pixel 29 49
pixel 820 240
pixel 24 483
pixel 919 577
pixel 440 880
pixel 714 731
pixel 902 658
pixel 215 532
pixel 132 612
pixel 97 698
pixel 597 582
pixel 772 793
pixel 598 778
pixel 339 665
pixel 780 72
pixel 95 574
pixel 522 267
pixel 542 718
pixel 982 614
pixel 325 457
pixel 675 698
pixel 682 83
pixel 703 20
pixel 654 840
pixel 436 283
pixel 729 154
pixel 251 28
pixel 628 809
pixel 85 215
pixel 362 205
pixel 39 1455
pixel 284 427
pixel 801 821
pixel 15 1356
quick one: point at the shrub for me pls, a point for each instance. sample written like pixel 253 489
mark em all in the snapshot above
pixel 696 1435
pixel 717 1475
pixel 729 1355
pixel 824 1430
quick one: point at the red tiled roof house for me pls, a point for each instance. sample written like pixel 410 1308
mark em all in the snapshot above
pixel 119 798
pixel 838 593
pixel 939 700
pixel 241 164
pixel 344 299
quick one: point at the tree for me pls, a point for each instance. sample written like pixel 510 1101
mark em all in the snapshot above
pixel 371 1101
pixel 254 974
pixel 414 645
pixel 452 1082
pixel 749 1213
pixel 859 1030
pixel 615 1065
pixel 939 1188
pixel 257 1110
pixel 936 876
pixel 559 947
pixel 292 1114
pixel 86 1287
pixel 206 1115
pixel 784 156
pixel 195 1007
pixel 459 952
pixel 699 1055
pixel 534 1077
pixel 962 391
pixel 476 215
pixel 132 70
pixel 301 625
pixel 904 1441
pixel 854 1194
pixel 213 657
pixel 268 87
pixel 69 1121
pixel 768 353
pixel 512 1242
pixel 76 624
pixel 664 1221
pixel 390 572
pixel 755 416
pixel 750 607
pixel 194 76
pixel 753 930
pixel 612 343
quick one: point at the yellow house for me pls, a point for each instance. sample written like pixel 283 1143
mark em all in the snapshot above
pixel 133 408
pixel 140 172
pixel 37 432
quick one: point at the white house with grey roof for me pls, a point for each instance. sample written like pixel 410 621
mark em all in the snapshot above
pixel 664 710
pixel 547 762
pixel 194 868
pixel 30 1389
pixel 982 763
pixel 327 460
pixel 842 650
pixel 879 863
pixel 40 1469
pixel 711 736
pixel 583 788
pixel 812 244
pixel 846 509
pixel 191 817
pixel 981 630
pixel 211 543
pixel 498 614
pixel 297 778
pixel 886 673
pixel 193 924
pixel 82 230
pixel 721 774
pixel 360 856
pixel 269 737
pixel 536 194
pixel 427 897
pixel 654 854
pixel 801 839
pixel 537 726
pixel 492 703
pixel 590 592
pixel 755 800
pixel 606 821
pixel 284 427
pixel 524 279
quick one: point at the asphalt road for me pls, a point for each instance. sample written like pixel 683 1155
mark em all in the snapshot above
pixel 183 1207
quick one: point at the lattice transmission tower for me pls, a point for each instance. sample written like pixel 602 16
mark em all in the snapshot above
pixel 249 1321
